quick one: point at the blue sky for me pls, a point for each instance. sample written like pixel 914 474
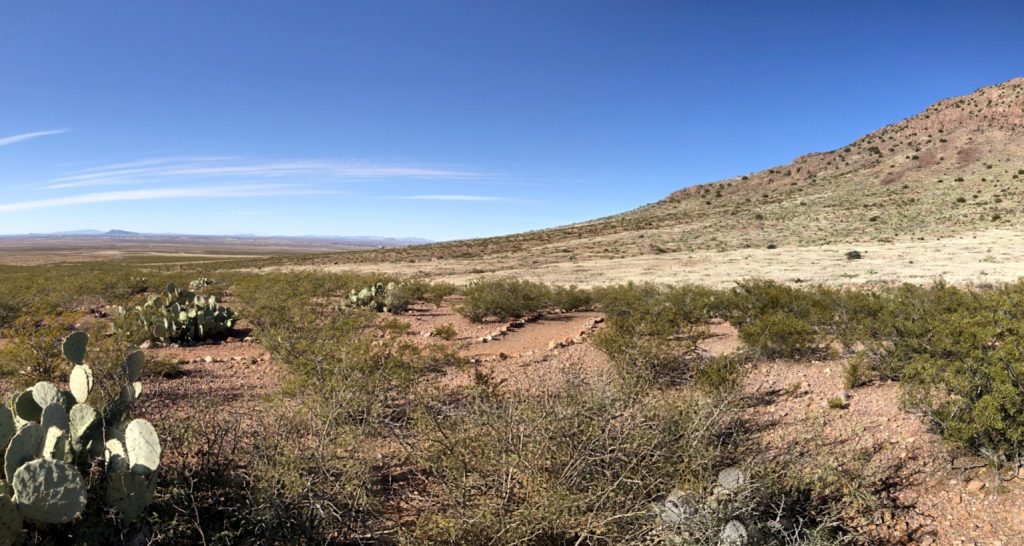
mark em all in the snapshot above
pixel 447 119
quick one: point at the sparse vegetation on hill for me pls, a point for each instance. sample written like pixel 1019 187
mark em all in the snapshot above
pixel 895 184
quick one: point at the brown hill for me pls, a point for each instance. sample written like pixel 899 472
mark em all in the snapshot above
pixel 954 169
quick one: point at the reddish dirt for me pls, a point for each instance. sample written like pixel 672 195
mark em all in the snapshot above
pixel 946 505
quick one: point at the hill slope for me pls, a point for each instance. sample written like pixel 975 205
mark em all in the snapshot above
pixel 954 169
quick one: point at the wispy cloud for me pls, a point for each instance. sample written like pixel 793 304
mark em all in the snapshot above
pixel 451 198
pixel 14 139
pixel 157 170
pixel 161 193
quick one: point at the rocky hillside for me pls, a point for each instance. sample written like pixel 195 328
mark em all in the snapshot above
pixel 955 168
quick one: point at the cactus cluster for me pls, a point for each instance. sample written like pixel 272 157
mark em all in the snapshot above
pixel 683 508
pixel 178 315
pixel 51 437
pixel 380 298
pixel 199 284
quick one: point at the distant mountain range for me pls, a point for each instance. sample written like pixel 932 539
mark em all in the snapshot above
pixel 362 241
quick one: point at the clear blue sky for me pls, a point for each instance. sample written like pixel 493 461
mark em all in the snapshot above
pixel 447 119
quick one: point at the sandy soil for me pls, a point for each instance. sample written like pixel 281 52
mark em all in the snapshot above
pixel 988 256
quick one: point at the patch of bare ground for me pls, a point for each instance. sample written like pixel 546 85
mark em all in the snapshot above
pixel 234 375
pixel 948 500
pixel 537 352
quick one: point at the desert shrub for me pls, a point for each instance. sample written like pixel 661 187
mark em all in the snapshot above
pixel 721 374
pixel 652 331
pixel 779 334
pixel 9 311
pixel 782 321
pixel 570 298
pixel 363 368
pixel 855 372
pixel 123 287
pixel 428 292
pixel 581 464
pixel 502 298
pixel 297 486
pixel 33 350
pixel 446 332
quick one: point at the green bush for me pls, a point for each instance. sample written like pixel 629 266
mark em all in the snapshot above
pixel 779 334
pixel 446 332
pixel 652 330
pixel 570 298
pixel 580 465
pixel 502 298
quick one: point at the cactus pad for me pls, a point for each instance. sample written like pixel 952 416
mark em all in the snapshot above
pixel 130 493
pixel 7 428
pixel 55 445
pixel 80 382
pixel 74 347
pixel 55 415
pixel 133 365
pixel 45 393
pixel 49 491
pixel 26 445
pixel 10 521
pixel 26 407
pixel 142 446
pixel 731 478
pixel 733 534
pixel 116 457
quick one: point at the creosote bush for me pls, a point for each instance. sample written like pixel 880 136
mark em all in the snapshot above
pixel 502 298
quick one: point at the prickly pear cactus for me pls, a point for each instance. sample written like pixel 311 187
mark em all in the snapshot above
pixel 49 491
pixel 178 315
pixel 43 441
pixel 10 521
pixel 380 298
pixel 733 534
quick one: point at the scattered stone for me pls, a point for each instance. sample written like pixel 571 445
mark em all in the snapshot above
pixel 146 344
pixel 975 486
pixel 552 345
pixel 208 359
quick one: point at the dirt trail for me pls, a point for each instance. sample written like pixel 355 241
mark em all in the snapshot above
pixel 946 505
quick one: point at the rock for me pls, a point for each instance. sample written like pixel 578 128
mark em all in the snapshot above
pixel 502 356
pixel 975 486
pixel 552 345
pixel 146 344
pixel 428 334
pixel 208 359
pixel 247 339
